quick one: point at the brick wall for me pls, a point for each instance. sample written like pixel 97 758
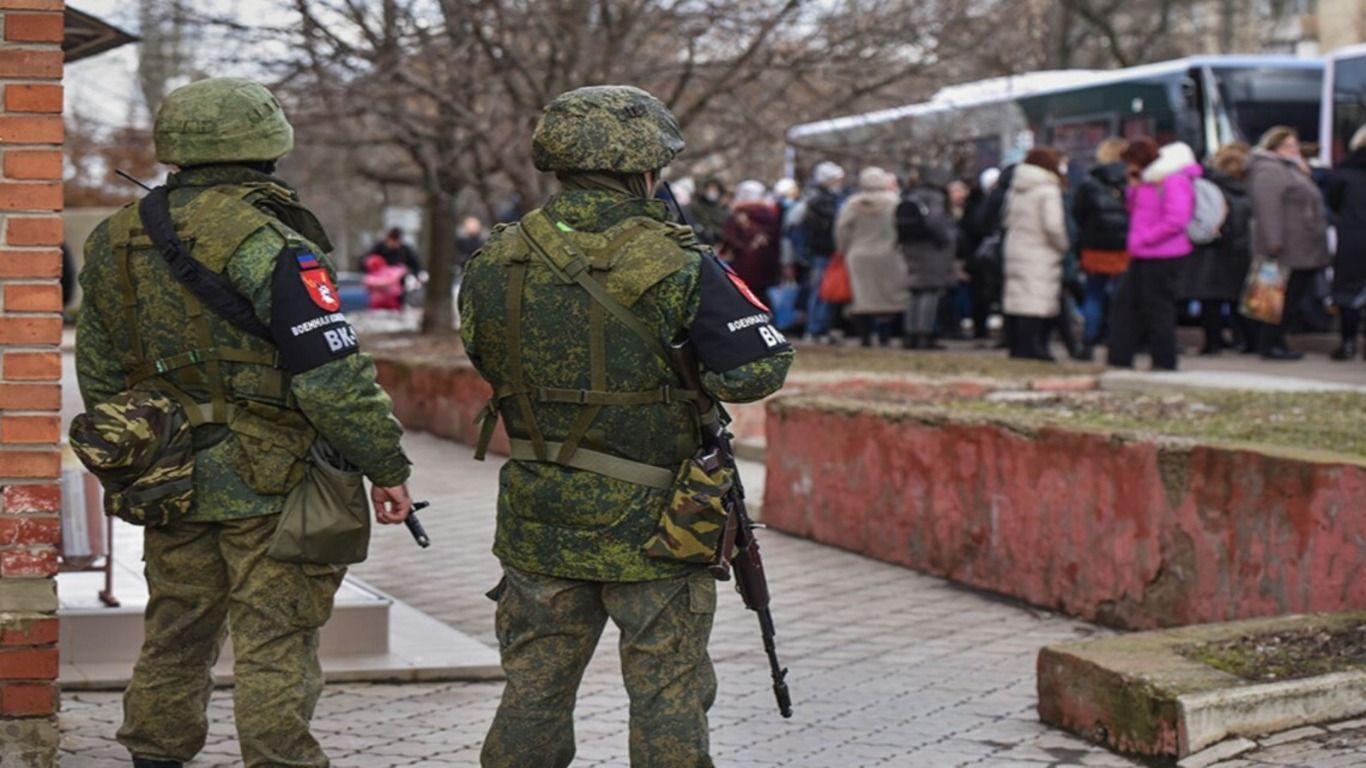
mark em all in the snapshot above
pixel 30 367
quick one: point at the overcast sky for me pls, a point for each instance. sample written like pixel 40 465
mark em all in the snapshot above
pixel 102 87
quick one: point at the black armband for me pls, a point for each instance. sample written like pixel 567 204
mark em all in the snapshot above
pixel 305 312
pixel 733 326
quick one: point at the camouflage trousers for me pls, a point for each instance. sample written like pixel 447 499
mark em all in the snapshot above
pixel 203 578
pixel 547 631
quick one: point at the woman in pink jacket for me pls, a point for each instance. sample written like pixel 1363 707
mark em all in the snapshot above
pixel 1161 203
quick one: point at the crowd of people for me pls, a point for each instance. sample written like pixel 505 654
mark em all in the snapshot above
pixel 1112 257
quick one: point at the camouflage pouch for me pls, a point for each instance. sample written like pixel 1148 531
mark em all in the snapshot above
pixel 140 446
pixel 268 447
pixel 690 528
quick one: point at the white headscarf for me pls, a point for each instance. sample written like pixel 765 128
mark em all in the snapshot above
pixel 827 173
pixel 750 191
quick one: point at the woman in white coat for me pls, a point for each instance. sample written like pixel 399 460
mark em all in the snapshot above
pixel 1036 242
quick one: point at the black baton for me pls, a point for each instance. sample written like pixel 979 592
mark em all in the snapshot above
pixel 415 526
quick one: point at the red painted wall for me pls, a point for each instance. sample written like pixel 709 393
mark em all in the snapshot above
pixel 1127 533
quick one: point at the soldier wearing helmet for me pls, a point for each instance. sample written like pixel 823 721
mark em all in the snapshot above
pixel 258 404
pixel 568 314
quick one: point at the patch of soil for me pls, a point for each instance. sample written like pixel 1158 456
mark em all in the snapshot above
pixel 1286 655
pixel 1318 421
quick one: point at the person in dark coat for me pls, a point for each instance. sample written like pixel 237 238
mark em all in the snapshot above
pixel 1289 227
pixel 1347 198
pixel 750 238
pixel 1214 274
pixel 927 234
pixel 396 252
pixel 1103 229
pixel 710 211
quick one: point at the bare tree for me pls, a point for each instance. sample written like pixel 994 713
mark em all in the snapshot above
pixel 162 56
pixel 444 93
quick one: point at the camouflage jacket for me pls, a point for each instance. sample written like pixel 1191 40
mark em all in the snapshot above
pixel 326 386
pixel 579 524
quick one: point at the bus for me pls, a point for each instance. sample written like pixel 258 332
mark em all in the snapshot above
pixel 1344 102
pixel 1205 101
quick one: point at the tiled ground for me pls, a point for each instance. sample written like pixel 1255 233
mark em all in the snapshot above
pixel 889 667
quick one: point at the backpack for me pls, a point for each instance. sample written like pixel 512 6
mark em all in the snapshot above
pixel 913 220
pixel 1211 209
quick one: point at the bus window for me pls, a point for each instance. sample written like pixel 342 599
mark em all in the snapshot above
pixel 1349 102
pixel 1258 98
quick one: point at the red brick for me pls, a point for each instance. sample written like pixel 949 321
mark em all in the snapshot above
pixel 30 397
pixel 28 700
pixel 31 366
pixel 30 330
pixel 37 129
pixel 31 632
pixel 44 263
pixel 34 27
pixel 33 297
pixel 34 230
pixel 28 62
pixel 28 563
pixel 31 499
pixel 31 196
pixel 30 430
pixel 34 97
pixel 25 531
pixel 35 464
pixel 32 5
pixel 40 164
pixel 28 664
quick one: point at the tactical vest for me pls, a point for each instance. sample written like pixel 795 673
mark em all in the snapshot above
pixel 171 338
pixel 584 380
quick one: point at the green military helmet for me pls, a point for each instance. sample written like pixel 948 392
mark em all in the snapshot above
pixel 613 128
pixel 221 120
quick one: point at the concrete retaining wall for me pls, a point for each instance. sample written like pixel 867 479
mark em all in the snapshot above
pixel 1126 532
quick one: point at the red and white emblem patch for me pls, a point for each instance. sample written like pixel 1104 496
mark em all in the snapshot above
pixel 321 289
pixel 745 290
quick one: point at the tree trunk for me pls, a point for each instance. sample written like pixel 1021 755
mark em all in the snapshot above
pixel 438 312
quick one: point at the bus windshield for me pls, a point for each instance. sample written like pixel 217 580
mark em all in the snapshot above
pixel 1259 98
pixel 1348 102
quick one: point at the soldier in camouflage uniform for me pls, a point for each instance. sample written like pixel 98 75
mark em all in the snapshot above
pixel 255 407
pixel 599 425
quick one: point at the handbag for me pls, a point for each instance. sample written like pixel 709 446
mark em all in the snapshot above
pixel 836 287
pixel 1264 293
pixel 326 519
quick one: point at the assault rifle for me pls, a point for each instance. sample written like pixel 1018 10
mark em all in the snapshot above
pixel 738 536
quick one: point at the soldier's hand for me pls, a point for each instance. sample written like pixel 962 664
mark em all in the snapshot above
pixel 391 504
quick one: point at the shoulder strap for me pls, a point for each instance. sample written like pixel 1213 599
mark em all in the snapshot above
pixel 209 286
pixel 565 258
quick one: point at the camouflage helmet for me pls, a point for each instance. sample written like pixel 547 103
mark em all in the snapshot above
pixel 221 120
pixel 614 128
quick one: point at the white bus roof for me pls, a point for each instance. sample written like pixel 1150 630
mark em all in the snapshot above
pixel 1349 52
pixel 1001 89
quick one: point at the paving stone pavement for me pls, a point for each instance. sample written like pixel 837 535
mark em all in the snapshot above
pixel 888 667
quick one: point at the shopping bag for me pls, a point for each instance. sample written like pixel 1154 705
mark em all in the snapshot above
pixel 836 287
pixel 1264 293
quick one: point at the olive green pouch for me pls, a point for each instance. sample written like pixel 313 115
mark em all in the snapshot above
pixel 326 519
pixel 268 447
pixel 690 529
pixel 140 445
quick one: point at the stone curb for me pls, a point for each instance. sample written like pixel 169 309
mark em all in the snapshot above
pixel 1137 694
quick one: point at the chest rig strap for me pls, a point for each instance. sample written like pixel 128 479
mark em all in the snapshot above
pixel 205 292
pixel 566 260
